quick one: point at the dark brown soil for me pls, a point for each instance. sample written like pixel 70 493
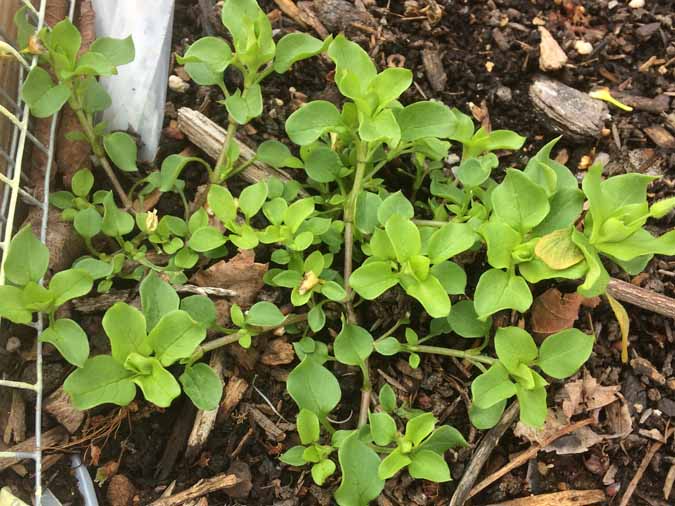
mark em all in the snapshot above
pixel 488 54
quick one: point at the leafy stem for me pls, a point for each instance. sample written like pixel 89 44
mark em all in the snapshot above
pixel 99 153
pixel 450 352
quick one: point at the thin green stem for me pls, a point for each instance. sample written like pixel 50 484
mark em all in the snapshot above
pixel 223 164
pixel 430 223
pixel 99 153
pixel 451 352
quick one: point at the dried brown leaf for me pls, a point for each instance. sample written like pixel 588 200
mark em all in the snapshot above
pixel 553 311
pixel 241 274
pixel 278 352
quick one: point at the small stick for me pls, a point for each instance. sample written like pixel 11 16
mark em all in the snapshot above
pixel 641 297
pixel 205 290
pixel 528 454
pixel 481 455
pixel 199 489
pixel 566 498
pixel 625 499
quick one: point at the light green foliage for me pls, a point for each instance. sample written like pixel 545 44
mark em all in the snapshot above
pixel 341 215
pixel 560 356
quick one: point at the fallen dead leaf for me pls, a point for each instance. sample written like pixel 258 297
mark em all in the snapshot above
pixel 242 471
pixel 241 274
pixel 121 491
pixel 278 352
pixel 554 311
pixel 578 441
pixel 585 395
pixel 234 391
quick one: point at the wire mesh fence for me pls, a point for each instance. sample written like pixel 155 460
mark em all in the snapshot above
pixel 15 187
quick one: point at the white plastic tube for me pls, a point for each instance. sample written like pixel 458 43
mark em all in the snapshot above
pixel 139 90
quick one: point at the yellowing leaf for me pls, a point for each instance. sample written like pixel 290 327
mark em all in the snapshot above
pixel 558 251
pixel 624 325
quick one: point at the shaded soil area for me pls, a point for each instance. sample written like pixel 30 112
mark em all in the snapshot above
pixel 482 58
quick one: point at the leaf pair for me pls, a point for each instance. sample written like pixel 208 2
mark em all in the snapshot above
pixel 559 356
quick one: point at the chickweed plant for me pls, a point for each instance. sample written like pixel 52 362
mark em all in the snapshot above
pixel 339 237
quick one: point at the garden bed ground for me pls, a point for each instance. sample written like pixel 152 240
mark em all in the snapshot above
pixel 480 57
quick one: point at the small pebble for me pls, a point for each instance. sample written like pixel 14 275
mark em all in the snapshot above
pixel 504 94
pixel 583 48
pixel 177 84
pixel 13 344
pixel 636 4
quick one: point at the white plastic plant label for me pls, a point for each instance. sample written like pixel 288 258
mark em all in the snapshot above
pixel 138 92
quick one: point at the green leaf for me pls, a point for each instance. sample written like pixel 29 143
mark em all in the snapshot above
pixel 213 52
pixel 353 345
pixel 519 202
pixel 566 206
pixel 354 69
pixel 373 279
pixel 82 182
pixel 115 222
pixel 158 385
pixel 313 387
pixel 64 38
pixel 294 47
pixel 380 127
pixel 639 244
pixel 172 166
pixel 69 338
pixel 311 121
pixel 27 258
pixel 419 428
pixel 316 318
pixel 392 464
pixel 492 387
pixel 367 206
pixel 264 314
pixel 558 251
pixel 117 51
pixel 396 203
pixel 298 212
pixel 125 327
pixel 359 465
pixel 597 277
pixel 425 119
pixel 501 241
pixel 88 222
pixel 23 26
pixel 390 84
pixel 450 240
pixel 243 107
pixel 388 346
pixel 200 308
pixel 206 239
pixel 277 155
pixel 41 94
pixel 122 150
pixel 497 290
pixel 382 428
pixel 309 429
pixel 70 284
pixel 157 299
pixel 333 291
pixel 474 172
pixel 532 405
pixel 102 380
pixel 321 471
pixel 464 320
pixel 404 237
pixel 429 465
pixel 293 456
pixel 175 336
pixel 563 353
pixel 387 398
pixel 94 64
pixel 323 164
pixel 430 293
pixel 484 419
pixel 443 439
pixel 252 198
pixel 94 97
pixel 451 276
pixel 202 385
pixel 222 203
pixel 11 306
pixel 514 346
pixel 36 297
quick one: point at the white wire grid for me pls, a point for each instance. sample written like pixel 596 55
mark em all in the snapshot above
pixel 18 115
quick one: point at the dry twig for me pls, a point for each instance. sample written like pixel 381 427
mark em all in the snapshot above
pixel 199 489
pixel 566 498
